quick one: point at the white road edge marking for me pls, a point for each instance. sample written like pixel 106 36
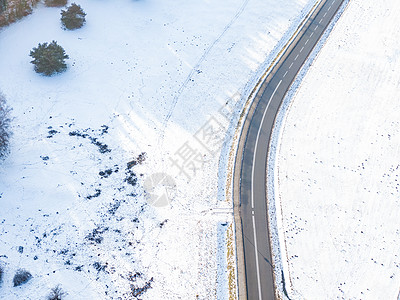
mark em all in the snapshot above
pixel 256 252
pixel 258 136
pixel 252 194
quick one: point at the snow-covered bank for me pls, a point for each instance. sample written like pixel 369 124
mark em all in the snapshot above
pixel 146 82
pixel 337 163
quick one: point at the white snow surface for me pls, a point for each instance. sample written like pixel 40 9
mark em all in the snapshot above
pixel 337 170
pixel 143 77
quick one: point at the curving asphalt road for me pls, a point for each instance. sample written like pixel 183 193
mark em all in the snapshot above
pixel 258 271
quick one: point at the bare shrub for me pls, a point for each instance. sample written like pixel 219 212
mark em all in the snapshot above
pixel 5 121
pixel 56 293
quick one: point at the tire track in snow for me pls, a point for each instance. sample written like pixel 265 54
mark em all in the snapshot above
pixel 196 67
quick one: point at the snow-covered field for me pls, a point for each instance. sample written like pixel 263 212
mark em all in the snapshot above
pixel 152 87
pixel 338 163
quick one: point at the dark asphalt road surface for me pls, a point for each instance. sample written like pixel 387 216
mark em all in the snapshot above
pixel 253 210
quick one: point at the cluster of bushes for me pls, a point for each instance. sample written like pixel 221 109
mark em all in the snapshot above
pixel 13 10
pixel 50 58
pixel 22 276
pixel 47 58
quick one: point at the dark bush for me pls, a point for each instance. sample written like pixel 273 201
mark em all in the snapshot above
pixel 21 277
pixel 49 58
pixel 56 293
pixel 55 3
pixel 73 17
pixel 4 126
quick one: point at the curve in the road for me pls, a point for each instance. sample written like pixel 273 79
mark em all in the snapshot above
pixel 253 218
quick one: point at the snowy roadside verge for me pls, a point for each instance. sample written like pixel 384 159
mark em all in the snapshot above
pixel 336 167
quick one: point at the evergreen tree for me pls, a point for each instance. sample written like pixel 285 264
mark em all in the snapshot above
pixel 49 58
pixel 73 17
